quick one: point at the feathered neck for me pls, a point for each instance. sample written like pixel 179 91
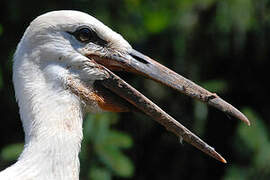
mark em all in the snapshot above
pixel 52 121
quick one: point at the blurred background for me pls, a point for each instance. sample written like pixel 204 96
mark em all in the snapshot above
pixel 221 45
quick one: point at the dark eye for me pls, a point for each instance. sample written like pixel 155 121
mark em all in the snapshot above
pixel 85 35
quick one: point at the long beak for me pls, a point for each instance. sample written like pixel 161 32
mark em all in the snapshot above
pixel 138 63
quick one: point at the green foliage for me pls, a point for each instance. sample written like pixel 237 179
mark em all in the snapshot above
pixel 237 14
pixel 98 173
pixel 155 22
pixel 102 149
pixel 253 145
pixel 11 152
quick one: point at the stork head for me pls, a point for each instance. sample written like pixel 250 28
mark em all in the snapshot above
pixel 80 53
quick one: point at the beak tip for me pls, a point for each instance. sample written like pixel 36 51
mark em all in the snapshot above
pixel 218 157
pixel 243 118
pixel 223 160
pixel 247 122
pixel 228 109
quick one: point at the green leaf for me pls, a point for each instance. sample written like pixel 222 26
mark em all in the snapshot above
pixel 97 173
pixel 101 147
pixel 257 141
pixel 262 158
pixel 255 137
pixel 156 22
pixel 118 139
pixel 11 152
pixel 118 162
pixel 96 126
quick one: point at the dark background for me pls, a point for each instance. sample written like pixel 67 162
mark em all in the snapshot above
pixel 221 45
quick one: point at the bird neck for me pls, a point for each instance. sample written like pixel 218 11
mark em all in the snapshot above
pixel 53 143
pixel 52 121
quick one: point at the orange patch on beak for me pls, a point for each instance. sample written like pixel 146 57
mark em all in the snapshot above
pixel 105 99
pixel 108 101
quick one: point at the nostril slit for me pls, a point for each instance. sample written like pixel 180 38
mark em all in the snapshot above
pixel 140 59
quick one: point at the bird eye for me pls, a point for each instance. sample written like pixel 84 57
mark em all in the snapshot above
pixel 84 35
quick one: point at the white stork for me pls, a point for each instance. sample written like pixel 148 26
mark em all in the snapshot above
pixel 63 68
